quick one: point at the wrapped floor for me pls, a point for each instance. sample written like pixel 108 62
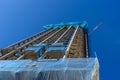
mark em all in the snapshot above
pixel 50 69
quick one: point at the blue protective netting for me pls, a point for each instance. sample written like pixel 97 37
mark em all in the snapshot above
pixel 56 48
pixel 50 69
pixel 74 24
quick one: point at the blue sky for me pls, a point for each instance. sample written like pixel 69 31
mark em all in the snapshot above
pixel 22 18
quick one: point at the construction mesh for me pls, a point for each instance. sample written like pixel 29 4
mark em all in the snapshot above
pixel 50 69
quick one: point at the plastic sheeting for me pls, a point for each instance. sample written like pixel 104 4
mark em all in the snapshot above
pixel 56 49
pixel 58 45
pixel 41 45
pixel 50 69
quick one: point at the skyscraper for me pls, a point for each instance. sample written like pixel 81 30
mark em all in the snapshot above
pixel 60 52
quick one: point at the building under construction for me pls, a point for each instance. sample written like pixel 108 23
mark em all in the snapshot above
pixel 60 52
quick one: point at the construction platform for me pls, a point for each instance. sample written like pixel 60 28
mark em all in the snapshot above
pixel 60 52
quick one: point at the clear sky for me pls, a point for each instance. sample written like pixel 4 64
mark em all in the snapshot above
pixel 22 18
